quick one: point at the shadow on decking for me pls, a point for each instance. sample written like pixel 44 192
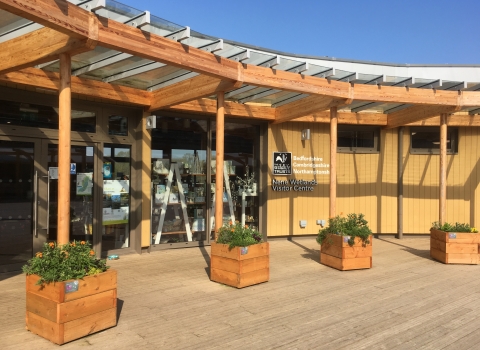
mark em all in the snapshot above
pixel 206 256
pixel 119 308
pixel 311 254
pixel 418 252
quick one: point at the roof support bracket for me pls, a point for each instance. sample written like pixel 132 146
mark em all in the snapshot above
pixel 140 20
pixel 275 61
pixel 212 47
pixel 325 74
pixel 242 56
pixel 179 35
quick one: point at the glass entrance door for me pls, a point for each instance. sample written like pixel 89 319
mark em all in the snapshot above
pixel 82 192
pixel 16 203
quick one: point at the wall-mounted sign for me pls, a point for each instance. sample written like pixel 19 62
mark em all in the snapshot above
pixel 282 163
pixel 294 185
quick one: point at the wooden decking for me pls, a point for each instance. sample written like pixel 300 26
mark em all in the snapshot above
pixel 166 300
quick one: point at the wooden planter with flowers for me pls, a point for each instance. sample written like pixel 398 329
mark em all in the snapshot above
pixel 337 253
pixel 346 243
pixel 455 247
pixel 63 311
pixel 239 258
pixel 240 266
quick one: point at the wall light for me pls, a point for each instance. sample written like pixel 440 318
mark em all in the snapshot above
pixel 151 122
pixel 305 134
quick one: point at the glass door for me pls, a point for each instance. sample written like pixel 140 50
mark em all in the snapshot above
pixel 82 191
pixel 17 182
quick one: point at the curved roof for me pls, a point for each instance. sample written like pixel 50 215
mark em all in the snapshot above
pixel 120 68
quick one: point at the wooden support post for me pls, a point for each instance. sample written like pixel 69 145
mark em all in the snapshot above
pixel 220 125
pixel 333 161
pixel 146 225
pixel 400 184
pixel 443 169
pixel 64 137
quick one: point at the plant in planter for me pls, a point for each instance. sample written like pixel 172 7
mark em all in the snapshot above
pixel 346 243
pixel 454 243
pixel 70 293
pixel 239 257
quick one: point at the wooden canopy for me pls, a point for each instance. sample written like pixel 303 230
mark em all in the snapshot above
pixel 75 29
pixel 130 57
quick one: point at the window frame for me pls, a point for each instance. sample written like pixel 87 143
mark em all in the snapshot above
pixel 362 150
pixel 452 131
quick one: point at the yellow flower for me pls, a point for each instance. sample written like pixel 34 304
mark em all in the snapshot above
pixel 473 229
pixel 51 244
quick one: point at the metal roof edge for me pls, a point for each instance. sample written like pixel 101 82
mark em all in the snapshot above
pixel 335 59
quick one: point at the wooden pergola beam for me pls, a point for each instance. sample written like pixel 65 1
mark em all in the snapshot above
pixel 347 118
pixel 86 87
pixel 59 15
pixel 190 89
pixel 304 107
pixel 238 110
pixel 452 120
pixel 37 47
pixel 232 109
pixel 415 113
pixel 72 20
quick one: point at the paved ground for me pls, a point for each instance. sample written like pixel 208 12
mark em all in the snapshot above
pixel 406 301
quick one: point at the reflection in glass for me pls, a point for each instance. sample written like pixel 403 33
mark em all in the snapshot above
pixel 16 199
pixel 241 162
pixel 117 125
pixel 179 144
pixel 39 116
pixel 81 193
pixel 116 197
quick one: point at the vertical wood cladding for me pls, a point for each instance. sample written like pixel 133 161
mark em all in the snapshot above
pixel 367 183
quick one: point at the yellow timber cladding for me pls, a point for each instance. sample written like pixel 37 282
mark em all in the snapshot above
pixel 367 183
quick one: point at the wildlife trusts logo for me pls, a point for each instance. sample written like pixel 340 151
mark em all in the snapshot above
pixel 282 163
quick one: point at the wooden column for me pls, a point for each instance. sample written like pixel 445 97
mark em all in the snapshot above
pixel 333 162
pixel 64 137
pixel 146 238
pixel 400 183
pixel 220 133
pixel 443 169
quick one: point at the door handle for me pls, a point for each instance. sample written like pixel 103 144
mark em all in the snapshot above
pixel 35 203
pixel 47 228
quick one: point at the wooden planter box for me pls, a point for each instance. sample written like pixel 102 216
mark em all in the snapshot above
pixel 61 316
pixel 455 247
pixel 241 266
pixel 335 252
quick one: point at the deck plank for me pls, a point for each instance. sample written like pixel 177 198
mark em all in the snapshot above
pixel 407 300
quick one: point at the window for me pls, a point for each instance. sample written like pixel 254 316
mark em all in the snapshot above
pixel 358 139
pixel 426 140
pixel 117 125
pixel 42 116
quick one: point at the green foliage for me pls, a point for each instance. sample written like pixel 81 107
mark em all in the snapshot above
pixel 456 227
pixel 73 260
pixel 236 235
pixel 353 225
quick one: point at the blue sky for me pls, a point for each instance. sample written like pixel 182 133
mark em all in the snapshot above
pixel 394 31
